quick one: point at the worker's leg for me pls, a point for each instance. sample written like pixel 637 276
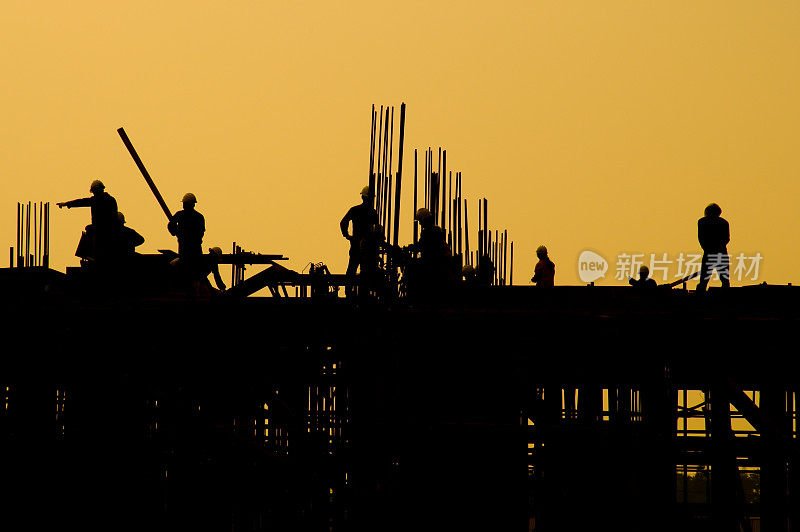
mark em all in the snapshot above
pixel 705 274
pixel 723 269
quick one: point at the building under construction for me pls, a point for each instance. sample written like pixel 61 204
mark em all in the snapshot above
pixel 487 407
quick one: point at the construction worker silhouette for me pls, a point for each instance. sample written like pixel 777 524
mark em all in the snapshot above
pixel 210 265
pixel 189 226
pixel 100 241
pixel 644 280
pixel 128 238
pixel 544 272
pixel 363 217
pixel 714 233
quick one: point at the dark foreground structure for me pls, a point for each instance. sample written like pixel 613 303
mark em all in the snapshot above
pixel 496 408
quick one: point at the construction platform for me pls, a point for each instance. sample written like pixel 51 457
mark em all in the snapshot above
pixel 496 408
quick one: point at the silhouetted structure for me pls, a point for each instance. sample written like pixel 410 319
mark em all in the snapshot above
pixel 101 239
pixel 644 281
pixel 544 272
pixel 713 232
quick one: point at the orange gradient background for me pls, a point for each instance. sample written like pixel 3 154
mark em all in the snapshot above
pixel 588 125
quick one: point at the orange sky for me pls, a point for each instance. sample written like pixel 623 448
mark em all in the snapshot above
pixel 588 125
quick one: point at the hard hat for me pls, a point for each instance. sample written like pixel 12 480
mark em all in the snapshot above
pixel 467 269
pixel 216 251
pixel 96 185
pixel 541 249
pixel 422 214
pixel 365 191
pixel 189 198
pixel 644 270
pixel 121 217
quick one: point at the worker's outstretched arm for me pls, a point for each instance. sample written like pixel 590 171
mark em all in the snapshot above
pixel 80 202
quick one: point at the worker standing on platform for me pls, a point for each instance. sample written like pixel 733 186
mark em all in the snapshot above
pixel 189 226
pixel 100 241
pixel 714 233
pixel 363 218
pixel 544 272
pixel 644 281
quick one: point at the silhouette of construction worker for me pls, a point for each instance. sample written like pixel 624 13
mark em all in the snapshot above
pixel 363 218
pixel 210 265
pixel 644 280
pixel 714 233
pixel 544 273
pixel 99 242
pixel 189 226
pixel 128 238
pixel 431 245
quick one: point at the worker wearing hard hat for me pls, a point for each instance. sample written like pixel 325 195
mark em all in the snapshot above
pixel 129 238
pixel 644 280
pixel 363 217
pixel 544 272
pixel 99 242
pixel 189 226
pixel 211 266
pixel 432 244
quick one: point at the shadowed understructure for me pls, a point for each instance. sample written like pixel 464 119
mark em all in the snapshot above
pixel 504 408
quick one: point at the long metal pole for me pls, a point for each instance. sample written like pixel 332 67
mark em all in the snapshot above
pixel 376 205
pixel 466 232
pixel 28 236
pixel 371 197
pixel 415 196
pixel 505 255
pixel 41 219
pixel 511 278
pixel 19 237
pixel 389 173
pixel 145 174
pixel 400 174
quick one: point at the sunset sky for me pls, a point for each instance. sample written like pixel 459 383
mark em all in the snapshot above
pixel 605 126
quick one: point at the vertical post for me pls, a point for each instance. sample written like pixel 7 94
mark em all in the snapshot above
pixel 47 235
pixel 511 270
pixel 466 233
pixel 376 205
pixel 441 180
pixel 33 260
pixel 19 236
pixel 416 224
pixel 400 175
pixel 28 236
pixel 505 255
pixel 460 231
pixel 427 181
pixel 450 206
pixel 371 199
pixel 486 232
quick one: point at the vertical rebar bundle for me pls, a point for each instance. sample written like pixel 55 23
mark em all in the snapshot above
pixel 33 236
